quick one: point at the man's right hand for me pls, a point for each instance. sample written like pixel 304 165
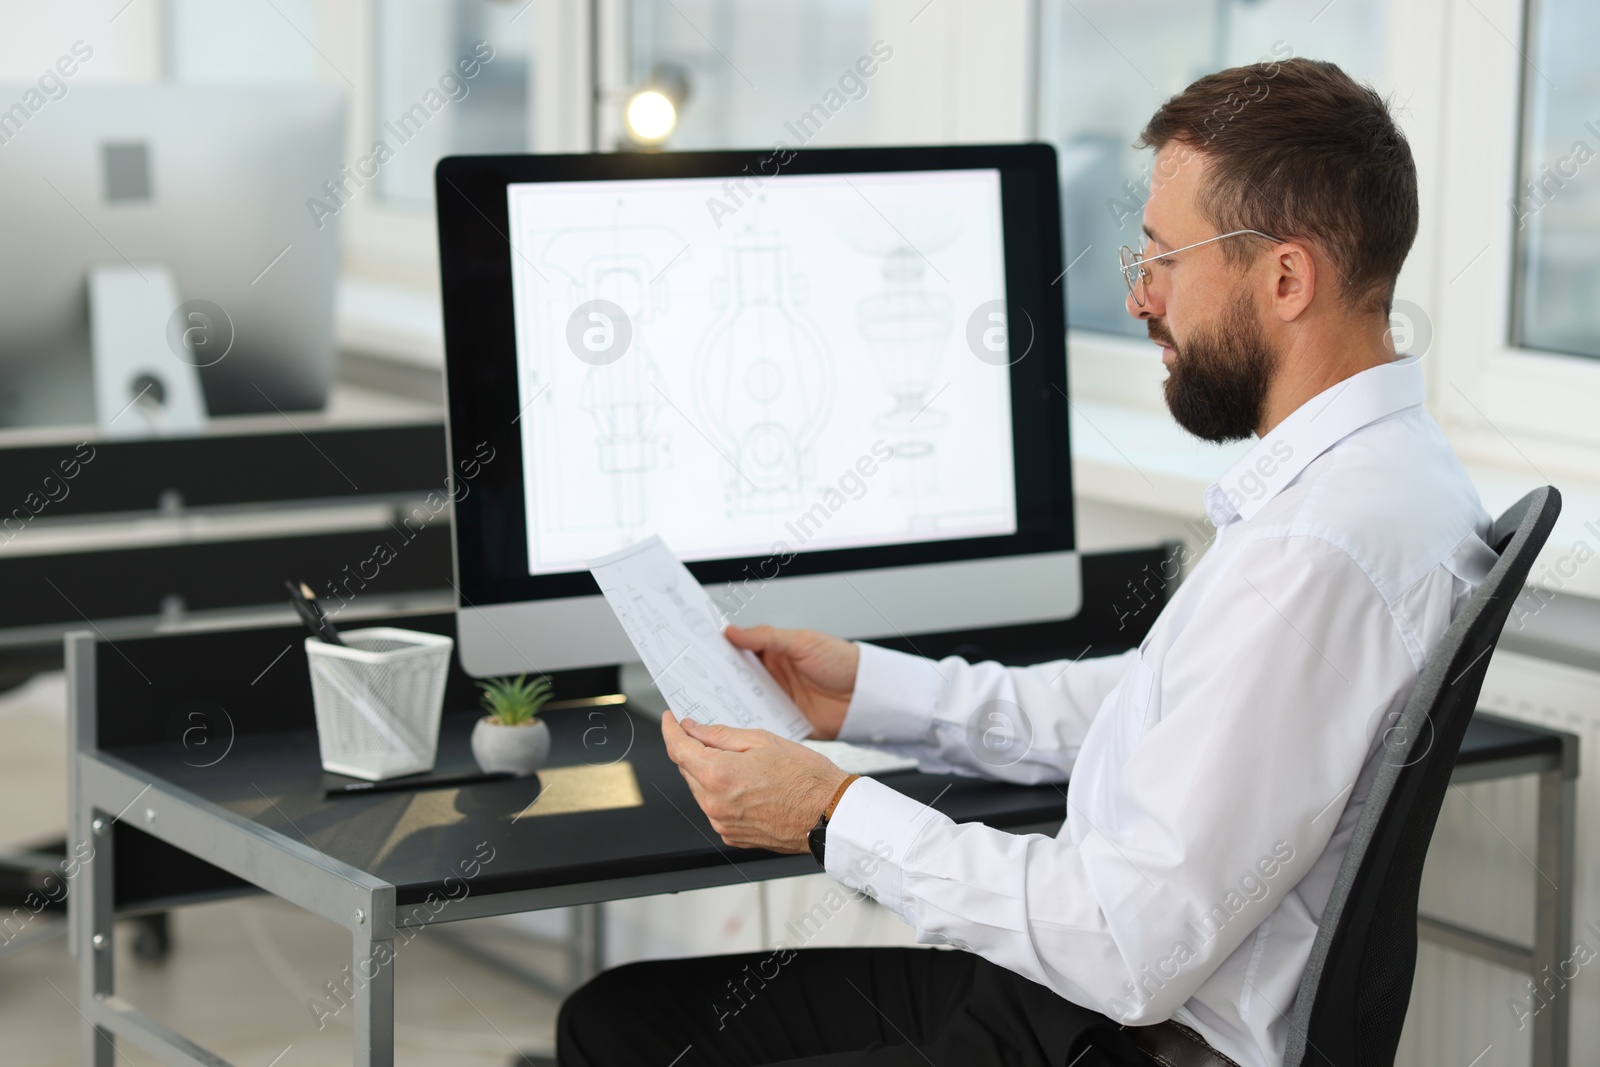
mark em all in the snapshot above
pixel 817 670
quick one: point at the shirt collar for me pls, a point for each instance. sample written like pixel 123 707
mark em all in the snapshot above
pixel 1314 427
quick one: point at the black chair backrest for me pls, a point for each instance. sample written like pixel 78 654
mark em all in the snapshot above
pixel 1353 998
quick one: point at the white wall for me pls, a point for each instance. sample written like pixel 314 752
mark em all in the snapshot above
pixel 126 38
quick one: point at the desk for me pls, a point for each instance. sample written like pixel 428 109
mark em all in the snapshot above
pixel 212 820
pixel 215 821
pixel 1496 747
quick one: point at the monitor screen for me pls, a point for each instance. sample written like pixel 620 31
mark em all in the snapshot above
pixel 832 380
pixel 748 374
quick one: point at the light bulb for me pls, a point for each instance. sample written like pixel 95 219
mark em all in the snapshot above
pixel 651 116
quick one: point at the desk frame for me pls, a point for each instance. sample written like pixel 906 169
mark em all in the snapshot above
pixel 104 788
pixel 1552 928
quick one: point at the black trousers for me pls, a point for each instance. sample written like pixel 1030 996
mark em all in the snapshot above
pixel 884 1007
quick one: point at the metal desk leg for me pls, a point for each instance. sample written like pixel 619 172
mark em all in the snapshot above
pixel 588 942
pixel 372 998
pixel 90 903
pixel 1552 941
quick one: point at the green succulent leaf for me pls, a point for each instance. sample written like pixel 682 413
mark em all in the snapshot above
pixel 515 701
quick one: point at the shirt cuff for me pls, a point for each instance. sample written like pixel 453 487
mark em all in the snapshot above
pixel 870 838
pixel 894 699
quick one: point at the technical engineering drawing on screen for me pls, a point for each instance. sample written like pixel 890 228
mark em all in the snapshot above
pixel 789 367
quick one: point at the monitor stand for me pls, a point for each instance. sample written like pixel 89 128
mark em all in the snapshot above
pixel 640 689
pixel 145 379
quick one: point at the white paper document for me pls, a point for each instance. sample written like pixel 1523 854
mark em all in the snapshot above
pixel 677 631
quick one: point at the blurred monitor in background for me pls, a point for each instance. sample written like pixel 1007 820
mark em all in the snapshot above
pixel 162 242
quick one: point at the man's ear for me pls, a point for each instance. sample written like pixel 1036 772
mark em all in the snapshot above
pixel 1294 275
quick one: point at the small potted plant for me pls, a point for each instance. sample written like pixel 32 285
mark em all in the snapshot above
pixel 512 737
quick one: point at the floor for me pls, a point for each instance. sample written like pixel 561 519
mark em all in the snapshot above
pixel 245 979
pixel 243 975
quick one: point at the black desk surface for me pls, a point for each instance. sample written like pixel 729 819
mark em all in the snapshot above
pixel 251 693
pixel 1491 738
pixel 416 838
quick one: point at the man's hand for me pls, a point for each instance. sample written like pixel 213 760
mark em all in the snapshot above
pixel 817 670
pixel 758 789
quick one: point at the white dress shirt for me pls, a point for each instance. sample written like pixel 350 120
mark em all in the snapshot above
pixel 1217 770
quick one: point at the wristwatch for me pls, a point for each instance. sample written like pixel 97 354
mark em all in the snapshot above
pixel 817 839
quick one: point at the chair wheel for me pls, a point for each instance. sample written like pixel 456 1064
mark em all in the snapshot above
pixel 152 937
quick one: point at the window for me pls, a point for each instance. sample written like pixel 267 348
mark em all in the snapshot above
pixel 242 41
pixel 1556 209
pixel 753 70
pixel 1508 303
pixel 1104 68
pixel 427 104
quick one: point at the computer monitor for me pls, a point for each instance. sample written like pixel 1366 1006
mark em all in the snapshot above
pixel 211 187
pixel 833 381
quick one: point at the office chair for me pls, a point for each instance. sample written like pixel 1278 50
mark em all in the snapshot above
pixel 1353 998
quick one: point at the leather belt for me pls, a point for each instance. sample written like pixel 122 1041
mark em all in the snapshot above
pixel 1172 1044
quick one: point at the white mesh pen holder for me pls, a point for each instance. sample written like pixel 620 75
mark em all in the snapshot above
pixel 378 699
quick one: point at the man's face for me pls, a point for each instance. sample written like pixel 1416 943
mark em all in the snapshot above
pixel 1201 312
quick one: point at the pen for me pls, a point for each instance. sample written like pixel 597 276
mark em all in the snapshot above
pixel 311 613
pixel 443 781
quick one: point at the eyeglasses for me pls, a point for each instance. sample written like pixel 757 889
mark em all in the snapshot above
pixel 1135 273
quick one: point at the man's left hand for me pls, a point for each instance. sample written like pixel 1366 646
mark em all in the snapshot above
pixel 758 789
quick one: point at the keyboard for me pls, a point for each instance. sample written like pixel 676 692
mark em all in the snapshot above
pixel 858 759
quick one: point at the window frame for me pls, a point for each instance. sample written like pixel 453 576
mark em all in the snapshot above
pixel 397 246
pixel 981 60
pixel 1514 406
pixel 1122 370
pixel 1460 105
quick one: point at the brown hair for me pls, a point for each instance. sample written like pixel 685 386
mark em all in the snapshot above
pixel 1300 150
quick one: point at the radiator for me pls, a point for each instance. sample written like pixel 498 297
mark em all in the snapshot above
pixel 1469 1013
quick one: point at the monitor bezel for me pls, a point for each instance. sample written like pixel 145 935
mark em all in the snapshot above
pixel 482 394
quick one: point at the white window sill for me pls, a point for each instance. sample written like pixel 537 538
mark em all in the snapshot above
pixel 1141 459
pixel 1124 455
pixel 393 322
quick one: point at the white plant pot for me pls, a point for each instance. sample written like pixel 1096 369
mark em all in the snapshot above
pixel 518 749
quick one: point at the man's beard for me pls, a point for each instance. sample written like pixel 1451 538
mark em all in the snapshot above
pixel 1217 384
